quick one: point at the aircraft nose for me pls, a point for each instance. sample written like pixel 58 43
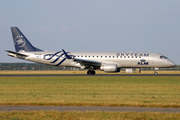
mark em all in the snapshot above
pixel 172 64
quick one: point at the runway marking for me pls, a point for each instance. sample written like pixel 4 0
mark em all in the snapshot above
pixel 86 108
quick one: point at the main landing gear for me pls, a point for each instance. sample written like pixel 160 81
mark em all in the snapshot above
pixel 91 72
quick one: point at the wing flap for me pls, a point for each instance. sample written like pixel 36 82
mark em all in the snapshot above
pixel 87 62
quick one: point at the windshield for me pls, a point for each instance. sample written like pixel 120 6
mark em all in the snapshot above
pixel 163 57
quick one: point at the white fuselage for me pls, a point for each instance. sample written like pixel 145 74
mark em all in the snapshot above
pixel 105 61
pixel 122 60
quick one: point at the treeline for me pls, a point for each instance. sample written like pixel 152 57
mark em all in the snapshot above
pixel 30 66
pixel 36 66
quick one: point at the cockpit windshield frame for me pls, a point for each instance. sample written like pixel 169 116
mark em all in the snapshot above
pixel 163 57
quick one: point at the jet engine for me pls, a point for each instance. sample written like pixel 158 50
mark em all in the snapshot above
pixel 110 68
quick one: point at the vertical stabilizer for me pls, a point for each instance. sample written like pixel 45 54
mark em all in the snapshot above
pixel 21 43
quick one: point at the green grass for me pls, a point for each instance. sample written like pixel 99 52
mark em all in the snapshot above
pixel 91 91
pixel 88 115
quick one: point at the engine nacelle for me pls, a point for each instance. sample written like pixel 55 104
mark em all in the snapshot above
pixel 110 68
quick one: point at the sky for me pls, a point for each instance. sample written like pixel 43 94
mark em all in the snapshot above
pixel 151 26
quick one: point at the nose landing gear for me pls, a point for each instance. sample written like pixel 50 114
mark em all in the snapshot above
pixel 155 73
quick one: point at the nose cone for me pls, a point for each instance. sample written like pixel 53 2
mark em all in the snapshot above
pixel 172 64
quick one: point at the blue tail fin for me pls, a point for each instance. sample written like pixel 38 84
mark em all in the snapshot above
pixel 21 43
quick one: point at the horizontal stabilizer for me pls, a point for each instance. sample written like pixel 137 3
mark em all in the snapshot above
pixel 16 53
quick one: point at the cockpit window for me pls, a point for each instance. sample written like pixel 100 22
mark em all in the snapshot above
pixel 163 57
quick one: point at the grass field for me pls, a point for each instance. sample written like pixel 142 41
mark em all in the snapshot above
pixel 54 115
pixel 83 72
pixel 91 91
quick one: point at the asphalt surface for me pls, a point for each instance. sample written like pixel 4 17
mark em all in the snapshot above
pixel 83 109
pixel 77 75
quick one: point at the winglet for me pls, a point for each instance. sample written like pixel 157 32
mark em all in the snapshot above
pixel 67 56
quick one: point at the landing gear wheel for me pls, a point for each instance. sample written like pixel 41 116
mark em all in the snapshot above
pixel 155 73
pixel 91 72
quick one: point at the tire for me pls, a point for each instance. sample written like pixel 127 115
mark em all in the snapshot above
pixel 155 73
pixel 89 72
pixel 93 72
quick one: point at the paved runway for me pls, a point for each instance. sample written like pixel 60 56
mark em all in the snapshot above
pixel 77 108
pixel 77 75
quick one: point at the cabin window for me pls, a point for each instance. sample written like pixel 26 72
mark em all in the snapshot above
pixel 113 56
pixel 101 56
pixel 117 56
pixel 97 56
pixel 92 56
pixel 105 56
pixel 124 56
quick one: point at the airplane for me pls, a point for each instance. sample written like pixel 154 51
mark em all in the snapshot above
pixel 104 61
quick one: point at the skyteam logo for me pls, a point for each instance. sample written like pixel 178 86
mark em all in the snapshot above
pixel 143 62
pixel 19 41
pixel 55 57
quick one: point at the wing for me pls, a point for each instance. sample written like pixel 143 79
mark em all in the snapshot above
pixel 87 63
pixel 83 62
